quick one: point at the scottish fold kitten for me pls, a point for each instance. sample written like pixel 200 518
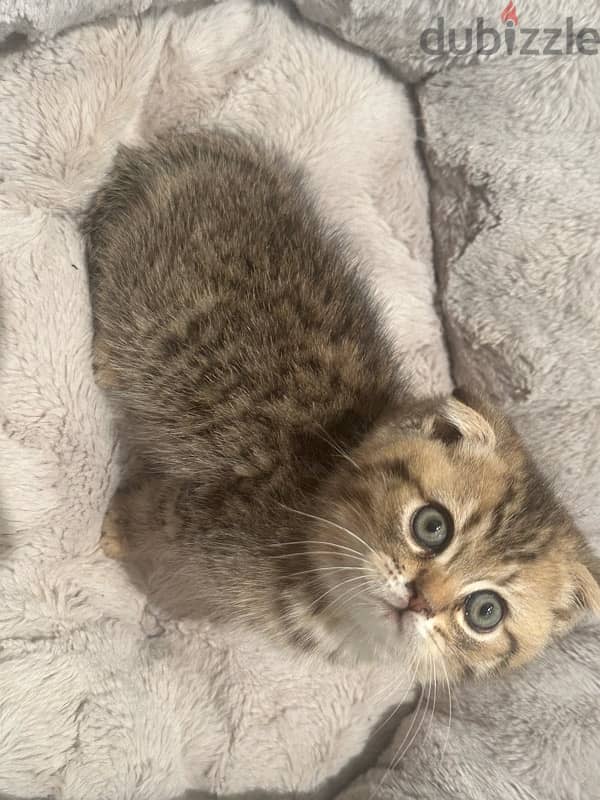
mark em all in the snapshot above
pixel 288 478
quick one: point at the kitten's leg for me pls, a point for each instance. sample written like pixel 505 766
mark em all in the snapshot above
pixel 113 539
pixel 140 518
pixel 105 375
pixel 128 509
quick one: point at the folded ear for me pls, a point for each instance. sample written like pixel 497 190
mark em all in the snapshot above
pixel 583 595
pixel 455 420
pixel 586 586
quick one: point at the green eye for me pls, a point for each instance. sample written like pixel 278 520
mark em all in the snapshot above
pixel 484 610
pixel 432 527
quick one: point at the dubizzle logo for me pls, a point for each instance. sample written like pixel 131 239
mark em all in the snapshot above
pixel 509 14
pixel 513 38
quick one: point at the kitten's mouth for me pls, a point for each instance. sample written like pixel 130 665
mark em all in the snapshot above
pixel 400 616
pixel 393 613
pixel 389 627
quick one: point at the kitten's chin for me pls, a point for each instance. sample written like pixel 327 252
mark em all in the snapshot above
pixel 376 632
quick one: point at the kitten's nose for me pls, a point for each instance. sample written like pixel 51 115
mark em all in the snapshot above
pixel 417 602
pixel 409 600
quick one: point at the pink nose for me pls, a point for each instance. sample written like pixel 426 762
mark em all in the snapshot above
pixel 419 604
pixel 415 601
pixel 411 601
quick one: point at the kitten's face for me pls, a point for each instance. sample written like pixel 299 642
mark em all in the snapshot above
pixel 450 546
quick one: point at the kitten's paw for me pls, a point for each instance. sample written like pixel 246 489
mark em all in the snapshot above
pixel 112 540
pixel 104 374
pixel 105 377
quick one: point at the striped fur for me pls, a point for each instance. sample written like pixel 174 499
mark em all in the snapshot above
pixel 281 455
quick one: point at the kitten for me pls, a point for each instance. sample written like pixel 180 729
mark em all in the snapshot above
pixel 288 478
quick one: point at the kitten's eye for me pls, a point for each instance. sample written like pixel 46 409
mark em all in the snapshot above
pixel 484 610
pixel 432 527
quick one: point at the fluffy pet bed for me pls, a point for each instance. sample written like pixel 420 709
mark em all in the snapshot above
pixel 102 698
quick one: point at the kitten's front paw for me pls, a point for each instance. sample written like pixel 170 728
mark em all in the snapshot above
pixel 104 375
pixel 112 540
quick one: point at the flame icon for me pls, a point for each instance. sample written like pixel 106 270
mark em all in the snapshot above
pixel 509 14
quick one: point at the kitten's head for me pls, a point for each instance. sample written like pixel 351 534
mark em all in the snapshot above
pixel 446 544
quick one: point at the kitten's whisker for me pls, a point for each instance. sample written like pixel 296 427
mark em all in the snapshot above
pixel 410 727
pixel 330 522
pixel 411 665
pixel 430 725
pixel 354 535
pixel 410 668
pixel 449 711
pixel 447 679
pixel 400 755
pixel 319 553
pixel 389 688
pixel 412 732
pixel 357 512
pixel 407 742
pixel 363 578
pixel 361 589
pixel 326 569
pixel 330 440
pixel 367 581
pixel 320 542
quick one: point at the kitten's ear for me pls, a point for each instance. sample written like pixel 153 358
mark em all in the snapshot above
pixel 455 419
pixel 586 588
pixel 583 594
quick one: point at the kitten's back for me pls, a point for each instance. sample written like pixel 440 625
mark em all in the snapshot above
pixel 230 323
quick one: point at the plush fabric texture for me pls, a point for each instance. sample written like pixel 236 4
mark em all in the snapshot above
pixel 41 20
pixel 100 698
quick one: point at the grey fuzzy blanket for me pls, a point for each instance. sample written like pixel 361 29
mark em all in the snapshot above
pixel 102 699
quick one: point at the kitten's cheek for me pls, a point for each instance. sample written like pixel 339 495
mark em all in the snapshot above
pixel 422 625
pixel 382 623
